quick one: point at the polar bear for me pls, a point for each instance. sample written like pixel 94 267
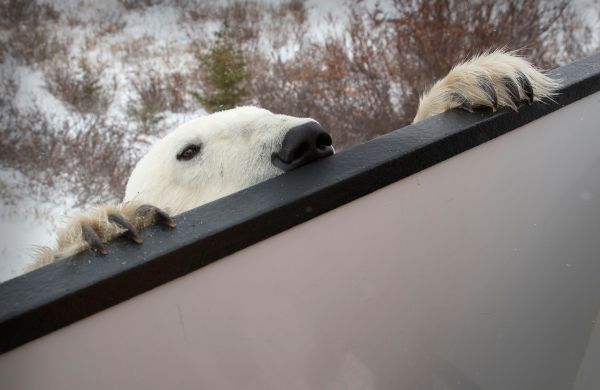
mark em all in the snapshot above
pixel 227 151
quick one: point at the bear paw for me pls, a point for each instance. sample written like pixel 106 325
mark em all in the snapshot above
pixel 97 227
pixel 496 79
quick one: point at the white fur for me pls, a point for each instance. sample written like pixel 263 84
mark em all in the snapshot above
pixel 465 78
pixel 237 144
pixel 236 153
pixel 236 149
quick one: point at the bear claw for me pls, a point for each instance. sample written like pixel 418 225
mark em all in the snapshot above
pixel 488 87
pixel 131 232
pixel 526 86
pixel 513 92
pixel 161 216
pixel 91 237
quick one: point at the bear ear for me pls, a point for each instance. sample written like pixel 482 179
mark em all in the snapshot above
pixel 189 152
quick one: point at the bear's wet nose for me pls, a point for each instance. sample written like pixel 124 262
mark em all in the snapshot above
pixel 301 145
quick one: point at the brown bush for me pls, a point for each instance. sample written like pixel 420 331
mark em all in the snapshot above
pixel 29 37
pixel 134 51
pixel 367 81
pixel 139 4
pixel 14 12
pixel 155 93
pixel 110 24
pixel 90 159
pixel 78 83
pixel 245 19
pixel 149 102
pixel 326 86
pixel 8 86
pixel 416 54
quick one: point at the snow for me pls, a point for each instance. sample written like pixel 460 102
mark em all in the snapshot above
pixel 20 235
pixel 22 232
pixel 158 22
pixel 32 92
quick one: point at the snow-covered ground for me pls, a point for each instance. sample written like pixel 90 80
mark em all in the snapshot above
pixel 23 226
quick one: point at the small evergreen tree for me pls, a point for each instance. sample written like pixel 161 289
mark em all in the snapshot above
pixel 226 74
pixel 89 91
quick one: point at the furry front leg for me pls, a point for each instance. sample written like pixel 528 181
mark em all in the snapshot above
pixel 95 228
pixel 496 79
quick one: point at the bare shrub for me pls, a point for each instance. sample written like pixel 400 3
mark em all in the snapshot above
pixel 288 22
pixel 367 80
pixel 135 50
pixel 14 12
pixel 8 86
pixel 33 45
pixel 327 85
pixel 251 21
pixel 195 10
pixel 139 4
pixel 549 32
pixel 177 90
pixel 245 17
pixel 155 93
pixel 30 38
pixel 254 22
pixel 78 82
pixel 149 102
pixel 92 162
pixel 297 8
pixel 110 24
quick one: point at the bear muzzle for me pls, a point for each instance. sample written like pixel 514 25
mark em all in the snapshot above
pixel 302 145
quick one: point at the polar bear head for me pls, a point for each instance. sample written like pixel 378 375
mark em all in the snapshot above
pixel 222 153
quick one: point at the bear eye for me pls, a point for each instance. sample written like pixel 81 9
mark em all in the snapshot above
pixel 188 153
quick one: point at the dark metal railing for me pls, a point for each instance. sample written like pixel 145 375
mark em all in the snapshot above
pixel 68 290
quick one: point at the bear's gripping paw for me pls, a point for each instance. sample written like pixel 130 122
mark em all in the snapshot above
pixel 494 80
pixel 97 227
pixel 95 242
pixel 99 231
pixel 515 91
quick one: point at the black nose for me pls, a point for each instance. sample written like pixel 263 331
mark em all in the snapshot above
pixel 301 145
